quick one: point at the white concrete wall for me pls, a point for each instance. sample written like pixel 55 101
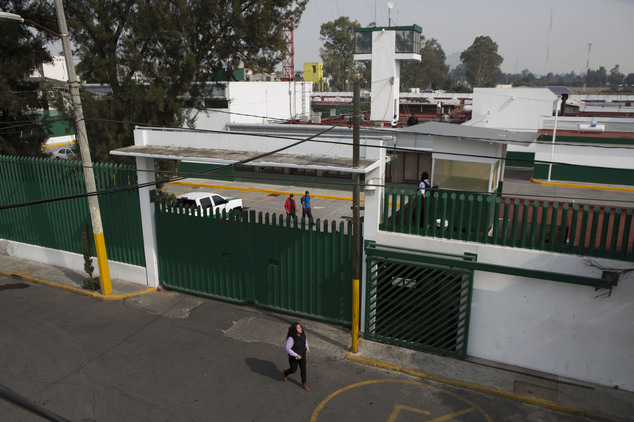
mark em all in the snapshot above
pixel 263 102
pixel 385 76
pixel 72 261
pixel 257 102
pixel 233 141
pixel 520 109
pixel 564 329
pixel 54 70
pixel 586 155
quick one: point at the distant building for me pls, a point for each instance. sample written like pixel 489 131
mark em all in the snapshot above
pixel 314 72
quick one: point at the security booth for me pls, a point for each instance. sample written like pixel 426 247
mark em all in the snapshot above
pixel 466 174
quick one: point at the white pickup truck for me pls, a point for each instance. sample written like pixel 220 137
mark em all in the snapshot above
pixel 210 203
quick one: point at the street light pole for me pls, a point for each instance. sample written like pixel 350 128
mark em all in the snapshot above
pixel 356 220
pixel 552 144
pixel 82 140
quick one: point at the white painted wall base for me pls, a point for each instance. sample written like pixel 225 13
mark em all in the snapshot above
pixel 72 261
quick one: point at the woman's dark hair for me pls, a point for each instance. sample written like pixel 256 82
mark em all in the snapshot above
pixel 424 176
pixel 292 330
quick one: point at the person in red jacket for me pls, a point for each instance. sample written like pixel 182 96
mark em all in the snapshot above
pixel 291 208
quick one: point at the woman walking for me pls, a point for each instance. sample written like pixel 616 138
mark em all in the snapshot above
pixel 297 349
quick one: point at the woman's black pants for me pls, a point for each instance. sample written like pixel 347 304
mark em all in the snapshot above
pixel 294 363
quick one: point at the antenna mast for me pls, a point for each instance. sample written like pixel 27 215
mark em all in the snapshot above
pixel 585 80
pixel 550 31
pixel 288 65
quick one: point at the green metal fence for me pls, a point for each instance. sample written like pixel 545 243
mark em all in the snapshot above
pixel 599 231
pixel 263 259
pixel 58 224
pixel 415 303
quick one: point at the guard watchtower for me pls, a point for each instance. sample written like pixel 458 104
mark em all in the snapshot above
pixel 386 47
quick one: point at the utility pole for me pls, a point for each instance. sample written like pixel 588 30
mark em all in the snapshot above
pixel 82 140
pixel 356 219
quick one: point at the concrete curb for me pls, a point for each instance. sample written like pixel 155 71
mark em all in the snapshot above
pixel 477 387
pixel 573 185
pixel 73 289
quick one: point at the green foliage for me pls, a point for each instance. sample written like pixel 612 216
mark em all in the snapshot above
pixel 23 51
pixel 337 53
pixel 430 73
pixel 481 61
pixel 158 56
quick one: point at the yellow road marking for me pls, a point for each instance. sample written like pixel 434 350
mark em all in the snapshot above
pixel 477 387
pixel 325 401
pixel 20 276
pixel 279 192
pixel 574 185
pixel 399 407
pixel 452 415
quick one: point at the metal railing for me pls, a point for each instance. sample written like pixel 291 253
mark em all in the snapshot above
pixel 599 231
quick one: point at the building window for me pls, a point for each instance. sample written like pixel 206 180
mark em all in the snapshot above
pixel 462 175
pixel 407 41
pixel 363 42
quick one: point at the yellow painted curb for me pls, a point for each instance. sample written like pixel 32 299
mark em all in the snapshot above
pixel 477 387
pixel 573 185
pixel 277 192
pixel 72 289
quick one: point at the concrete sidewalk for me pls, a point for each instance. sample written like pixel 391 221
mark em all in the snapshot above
pixel 65 279
pixel 571 396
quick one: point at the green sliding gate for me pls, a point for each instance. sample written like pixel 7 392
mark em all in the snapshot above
pixel 268 261
pixel 412 301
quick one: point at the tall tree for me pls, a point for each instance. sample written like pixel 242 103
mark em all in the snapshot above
pixel 158 55
pixel 430 72
pixel 337 51
pixel 481 61
pixel 23 51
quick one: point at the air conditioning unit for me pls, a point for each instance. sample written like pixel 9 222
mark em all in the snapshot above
pixel 315 118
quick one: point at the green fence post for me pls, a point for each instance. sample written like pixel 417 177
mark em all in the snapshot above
pixel 462 201
pixel 544 225
pixel 607 214
pixel 626 235
pixel 615 232
pixel 596 211
pixel 469 216
pixel 496 219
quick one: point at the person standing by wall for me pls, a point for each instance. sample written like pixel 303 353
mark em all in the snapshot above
pixel 306 208
pixel 297 349
pixel 394 121
pixel 424 184
pixel 291 207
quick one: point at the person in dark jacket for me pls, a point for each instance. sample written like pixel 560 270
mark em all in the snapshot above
pixel 297 349
pixel 291 207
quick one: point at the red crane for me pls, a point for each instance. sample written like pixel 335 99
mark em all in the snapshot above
pixel 288 65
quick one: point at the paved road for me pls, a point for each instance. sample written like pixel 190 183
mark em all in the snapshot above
pixel 165 356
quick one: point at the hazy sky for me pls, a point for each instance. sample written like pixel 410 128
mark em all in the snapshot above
pixel 521 28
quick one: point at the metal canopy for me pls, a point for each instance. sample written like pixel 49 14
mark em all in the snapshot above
pixel 248 158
